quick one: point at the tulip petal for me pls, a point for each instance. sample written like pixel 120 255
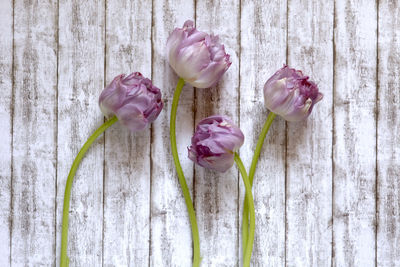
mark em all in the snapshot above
pixel 133 99
pixel 214 142
pixel 290 94
pixel 197 57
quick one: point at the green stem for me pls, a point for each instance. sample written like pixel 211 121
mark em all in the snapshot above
pixel 181 177
pixel 250 202
pixel 260 142
pixel 64 261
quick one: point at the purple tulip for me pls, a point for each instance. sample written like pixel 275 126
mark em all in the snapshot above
pixel 214 142
pixel 290 94
pixel 197 57
pixel 133 99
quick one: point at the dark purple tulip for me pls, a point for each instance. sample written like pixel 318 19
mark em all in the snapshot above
pixel 290 94
pixel 133 99
pixel 196 57
pixel 214 142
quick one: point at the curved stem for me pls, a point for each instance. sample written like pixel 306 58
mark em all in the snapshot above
pixel 181 177
pixel 64 261
pixel 250 202
pixel 260 142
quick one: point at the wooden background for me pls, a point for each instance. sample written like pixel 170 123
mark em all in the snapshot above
pixel 327 191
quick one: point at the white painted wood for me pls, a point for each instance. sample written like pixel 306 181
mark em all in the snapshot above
pixel 47 117
pixel 354 152
pixel 309 143
pixel 34 134
pixel 171 241
pixel 216 194
pixel 263 51
pixel 6 60
pixel 388 153
pixel 127 156
pixel 80 81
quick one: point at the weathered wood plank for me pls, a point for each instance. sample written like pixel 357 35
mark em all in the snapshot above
pixel 263 51
pixel 354 152
pixel 81 71
pixel 6 61
pixel 135 186
pixel 171 241
pixel 388 153
pixel 34 134
pixel 127 156
pixel 216 194
pixel 309 143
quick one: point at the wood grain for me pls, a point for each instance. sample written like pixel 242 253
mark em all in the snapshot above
pixel 262 52
pixel 216 194
pixel 309 143
pixel 127 156
pixel 388 143
pixel 6 105
pixel 354 152
pixel 80 81
pixel 326 190
pixel 34 134
pixel 171 241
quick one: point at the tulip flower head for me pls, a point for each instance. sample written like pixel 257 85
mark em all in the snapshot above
pixel 197 57
pixel 290 94
pixel 214 143
pixel 133 99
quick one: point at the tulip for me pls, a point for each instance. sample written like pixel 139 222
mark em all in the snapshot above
pixel 200 60
pixel 214 143
pixel 135 102
pixel 133 99
pixel 290 94
pixel 197 57
pixel 214 146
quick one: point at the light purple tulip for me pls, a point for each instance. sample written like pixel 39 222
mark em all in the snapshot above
pixel 214 142
pixel 197 57
pixel 133 99
pixel 290 94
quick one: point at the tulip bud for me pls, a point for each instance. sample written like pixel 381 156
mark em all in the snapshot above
pixel 196 57
pixel 214 143
pixel 290 94
pixel 133 99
